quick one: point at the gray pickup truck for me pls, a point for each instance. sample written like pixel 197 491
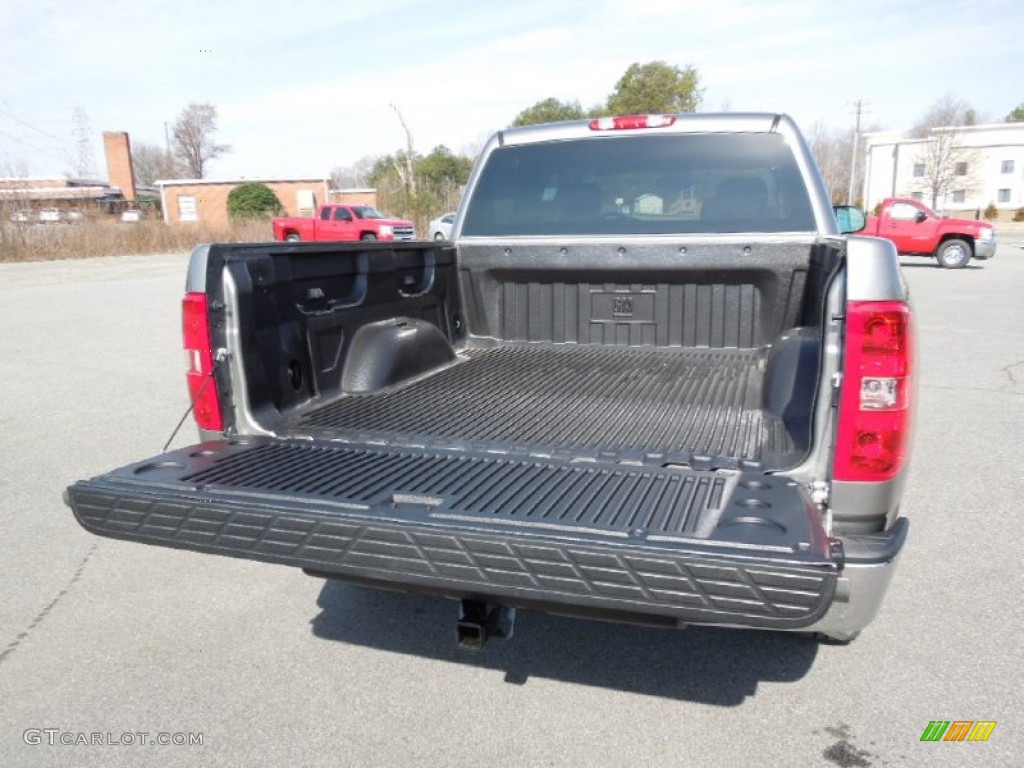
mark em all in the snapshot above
pixel 650 379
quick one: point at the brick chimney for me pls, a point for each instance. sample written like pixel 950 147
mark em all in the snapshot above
pixel 120 172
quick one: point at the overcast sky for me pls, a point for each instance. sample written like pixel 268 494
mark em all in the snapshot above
pixel 301 87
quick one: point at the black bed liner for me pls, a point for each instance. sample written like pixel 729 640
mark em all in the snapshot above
pixel 581 431
pixel 690 406
pixel 692 545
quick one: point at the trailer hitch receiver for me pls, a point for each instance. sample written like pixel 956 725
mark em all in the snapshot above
pixel 480 621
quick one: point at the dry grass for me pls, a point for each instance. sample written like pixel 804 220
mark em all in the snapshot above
pixel 37 242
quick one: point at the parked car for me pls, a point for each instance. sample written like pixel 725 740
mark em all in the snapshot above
pixel 343 222
pixel 441 228
pixel 21 217
pixel 132 214
pixel 49 215
pixel 73 215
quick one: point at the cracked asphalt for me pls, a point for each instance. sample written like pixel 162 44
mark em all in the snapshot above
pixel 274 668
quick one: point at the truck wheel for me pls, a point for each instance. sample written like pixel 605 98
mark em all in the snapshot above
pixel 293 238
pixel 368 236
pixel 953 254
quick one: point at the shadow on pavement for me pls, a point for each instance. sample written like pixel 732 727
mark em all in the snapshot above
pixel 707 665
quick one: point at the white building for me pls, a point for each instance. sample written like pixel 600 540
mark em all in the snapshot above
pixel 987 167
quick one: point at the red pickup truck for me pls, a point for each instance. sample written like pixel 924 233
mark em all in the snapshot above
pixel 343 222
pixel 916 230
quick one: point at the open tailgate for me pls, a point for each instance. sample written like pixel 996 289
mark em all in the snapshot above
pixel 727 547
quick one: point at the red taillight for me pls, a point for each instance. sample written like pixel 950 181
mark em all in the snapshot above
pixel 631 122
pixel 195 327
pixel 876 398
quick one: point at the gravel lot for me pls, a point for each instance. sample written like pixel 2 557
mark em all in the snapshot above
pixel 275 668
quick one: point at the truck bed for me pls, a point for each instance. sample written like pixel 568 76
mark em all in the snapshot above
pixel 573 435
pixel 698 407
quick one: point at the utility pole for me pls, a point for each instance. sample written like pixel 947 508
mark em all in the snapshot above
pixel 859 106
pixel 165 169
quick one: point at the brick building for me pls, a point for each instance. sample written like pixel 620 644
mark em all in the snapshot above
pixel 31 192
pixel 206 200
pixel 87 196
pixel 353 196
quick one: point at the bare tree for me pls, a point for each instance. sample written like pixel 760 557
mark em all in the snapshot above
pixel 152 162
pixel 474 147
pixel 942 162
pixel 355 175
pixel 193 140
pixel 833 149
pixel 943 165
pixel 408 173
pixel 340 177
pixel 13 236
pixel 14 167
pixel 948 110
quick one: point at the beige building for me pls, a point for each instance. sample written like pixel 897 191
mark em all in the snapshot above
pixel 986 167
pixel 353 196
pixel 206 200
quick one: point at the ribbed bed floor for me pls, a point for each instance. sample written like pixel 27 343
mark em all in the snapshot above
pixel 694 404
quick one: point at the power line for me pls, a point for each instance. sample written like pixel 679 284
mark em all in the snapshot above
pixel 26 143
pixel 64 146
pixel 859 105
pixel 5 109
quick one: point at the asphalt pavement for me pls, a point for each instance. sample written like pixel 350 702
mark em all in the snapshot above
pixel 266 666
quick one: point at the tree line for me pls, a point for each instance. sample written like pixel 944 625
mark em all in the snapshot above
pixel 420 186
